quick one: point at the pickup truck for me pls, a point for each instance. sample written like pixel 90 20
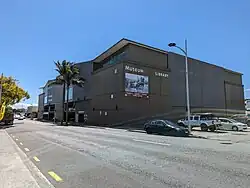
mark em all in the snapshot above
pixel 206 121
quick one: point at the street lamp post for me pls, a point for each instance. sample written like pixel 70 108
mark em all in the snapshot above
pixel 1 88
pixel 187 81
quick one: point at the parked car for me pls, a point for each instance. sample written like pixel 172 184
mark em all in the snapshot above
pixel 8 118
pixel 231 124
pixel 21 118
pixel 243 118
pixel 16 116
pixel 165 127
pixel 206 121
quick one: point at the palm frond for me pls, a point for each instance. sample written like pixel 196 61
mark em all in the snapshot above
pixel 58 81
pixel 68 74
pixel 78 81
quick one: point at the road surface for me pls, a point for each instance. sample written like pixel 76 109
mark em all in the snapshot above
pixel 102 157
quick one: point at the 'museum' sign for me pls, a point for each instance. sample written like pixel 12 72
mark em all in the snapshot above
pixel 133 69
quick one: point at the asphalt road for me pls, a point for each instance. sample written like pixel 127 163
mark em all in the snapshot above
pixel 99 157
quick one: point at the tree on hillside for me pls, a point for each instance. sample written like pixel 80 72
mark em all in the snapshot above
pixel 11 92
pixel 68 76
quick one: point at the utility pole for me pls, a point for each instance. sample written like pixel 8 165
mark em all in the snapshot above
pixel 1 88
pixel 187 81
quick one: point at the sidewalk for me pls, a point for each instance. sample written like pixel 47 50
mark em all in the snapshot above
pixel 13 173
pixel 231 136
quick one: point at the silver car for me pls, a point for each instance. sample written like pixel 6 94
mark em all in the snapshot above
pixel 231 124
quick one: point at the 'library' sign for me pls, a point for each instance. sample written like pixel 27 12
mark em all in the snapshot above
pixel 161 74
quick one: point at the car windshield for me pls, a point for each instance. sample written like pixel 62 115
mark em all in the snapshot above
pixel 233 121
pixel 173 125
pixel 208 117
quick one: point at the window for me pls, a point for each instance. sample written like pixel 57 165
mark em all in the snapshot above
pixel 45 100
pixel 152 122
pixel 191 118
pixel 70 93
pixel 196 117
pixel 116 58
pixel 223 120
pixel 160 123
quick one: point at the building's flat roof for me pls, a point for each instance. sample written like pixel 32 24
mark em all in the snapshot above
pixel 120 44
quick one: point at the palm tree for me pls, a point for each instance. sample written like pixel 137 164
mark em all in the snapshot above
pixel 68 76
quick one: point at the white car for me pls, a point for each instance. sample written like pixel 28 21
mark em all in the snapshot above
pixel 21 118
pixel 231 124
pixel 17 116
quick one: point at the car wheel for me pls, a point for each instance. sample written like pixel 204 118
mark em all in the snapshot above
pixel 212 128
pixel 248 123
pixel 204 127
pixel 148 131
pixel 235 128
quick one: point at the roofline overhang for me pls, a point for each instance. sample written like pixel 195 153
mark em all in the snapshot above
pixel 120 44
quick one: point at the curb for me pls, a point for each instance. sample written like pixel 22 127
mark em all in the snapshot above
pixel 201 137
pixel 38 176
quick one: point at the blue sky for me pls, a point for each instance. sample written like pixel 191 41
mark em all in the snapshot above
pixel 34 33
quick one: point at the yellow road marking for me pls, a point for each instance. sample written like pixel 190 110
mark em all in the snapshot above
pixel 26 149
pixel 36 159
pixel 55 176
pixel 16 139
pixel 21 143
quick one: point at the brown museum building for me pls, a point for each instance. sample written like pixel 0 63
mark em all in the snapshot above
pixel 132 80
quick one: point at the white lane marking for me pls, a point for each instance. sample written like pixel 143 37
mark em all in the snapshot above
pixel 94 144
pixel 26 149
pixel 21 143
pixel 151 142
pixel 16 139
pixel 13 136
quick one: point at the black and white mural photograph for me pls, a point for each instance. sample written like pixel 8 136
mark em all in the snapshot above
pixel 135 83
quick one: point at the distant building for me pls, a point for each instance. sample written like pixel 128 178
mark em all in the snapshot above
pixel 247 104
pixel 50 102
pixel 32 111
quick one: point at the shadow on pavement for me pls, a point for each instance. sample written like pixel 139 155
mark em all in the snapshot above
pixel 91 126
pixel 190 136
pixel 5 126
pixel 216 132
pixel 16 123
